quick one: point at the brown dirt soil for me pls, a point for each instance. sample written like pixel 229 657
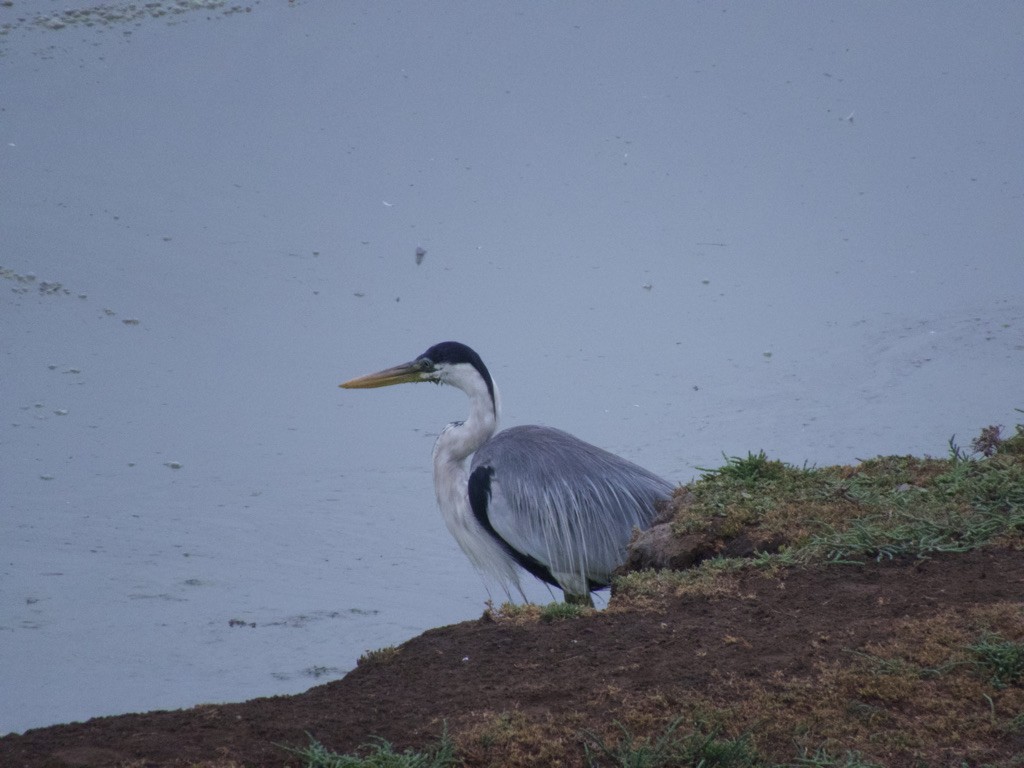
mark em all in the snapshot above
pixel 489 679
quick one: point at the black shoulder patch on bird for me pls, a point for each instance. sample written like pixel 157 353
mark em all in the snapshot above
pixel 479 498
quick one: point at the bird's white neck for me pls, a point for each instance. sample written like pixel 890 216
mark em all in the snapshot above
pixel 454 446
pixel 459 439
pixel 452 450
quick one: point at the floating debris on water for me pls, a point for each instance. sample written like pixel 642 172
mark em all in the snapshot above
pixel 10 274
pixel 420 253
pixel 317 672
pixel 173 464
pixel 45 288
pixel 130 321
pixel 121 13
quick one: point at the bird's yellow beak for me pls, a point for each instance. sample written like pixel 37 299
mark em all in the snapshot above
pixel 400 374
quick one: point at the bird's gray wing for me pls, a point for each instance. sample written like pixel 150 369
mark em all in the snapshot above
pixel 560 504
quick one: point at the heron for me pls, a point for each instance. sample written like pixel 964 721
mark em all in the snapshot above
pixel 527 498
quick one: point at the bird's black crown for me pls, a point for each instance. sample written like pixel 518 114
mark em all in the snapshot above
pixel 453 353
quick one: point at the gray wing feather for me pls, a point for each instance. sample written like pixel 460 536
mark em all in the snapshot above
pixel 568 504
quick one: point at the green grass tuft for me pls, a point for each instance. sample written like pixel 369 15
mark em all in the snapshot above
pixel 822 758
pixel 697 748
pixel 378 656
pixel 380 754
pixel 529 613
pixel 755 468
pixel 1002 660
pixel 561 611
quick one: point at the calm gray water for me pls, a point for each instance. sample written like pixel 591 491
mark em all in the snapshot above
pixel 675 229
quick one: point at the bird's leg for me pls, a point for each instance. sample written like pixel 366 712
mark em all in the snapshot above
pixel 584 600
